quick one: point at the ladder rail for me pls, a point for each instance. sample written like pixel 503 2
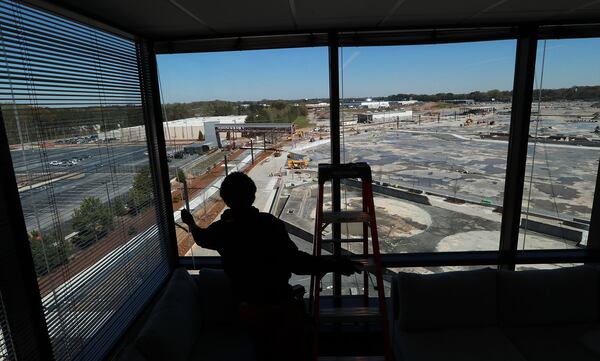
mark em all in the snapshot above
pixel 378 273
pixel 365 250
pixel 369 233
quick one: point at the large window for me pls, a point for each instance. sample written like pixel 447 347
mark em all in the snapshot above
pixel 564 145
pixel 71 105
pixel 432 121
pixel 259 112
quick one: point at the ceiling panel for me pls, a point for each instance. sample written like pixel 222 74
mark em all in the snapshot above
pixel 340 23
pixel 332 13
pixel 443 9
pixel 161 19
pixel 227 16
pixel 138 16
pixel 533 7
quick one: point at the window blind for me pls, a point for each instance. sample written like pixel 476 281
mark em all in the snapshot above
pixel 71 102
pixel 6 353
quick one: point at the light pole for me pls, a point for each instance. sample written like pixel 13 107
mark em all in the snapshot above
pixel 204 197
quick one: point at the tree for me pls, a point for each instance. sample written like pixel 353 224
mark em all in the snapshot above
pixel 92 220
pixel 48 252
pixel 181 178
pixel 119 206
pixel 142 192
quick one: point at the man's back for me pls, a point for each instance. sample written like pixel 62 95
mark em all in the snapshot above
pixel 257 253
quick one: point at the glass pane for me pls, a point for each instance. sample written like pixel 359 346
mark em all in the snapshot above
pixel 259 112
pixel 432 122
pixel 564 146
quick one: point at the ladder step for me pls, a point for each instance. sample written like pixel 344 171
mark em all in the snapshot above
pixel 346 217
pixel 341 171
pixel 350 314
pixel 343 240
pixel 352 358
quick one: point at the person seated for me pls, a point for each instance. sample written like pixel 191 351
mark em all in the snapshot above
pixel 259 258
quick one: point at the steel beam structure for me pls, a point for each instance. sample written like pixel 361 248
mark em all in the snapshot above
pixel 440 259
pixel 518 141
pixel 334 126
pixel 594 233
pixel 157 150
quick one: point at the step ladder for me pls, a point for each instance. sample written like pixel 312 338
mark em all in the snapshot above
pixel 371 262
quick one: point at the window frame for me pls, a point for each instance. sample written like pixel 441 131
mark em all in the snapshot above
pixel 527 37
pixel 20 291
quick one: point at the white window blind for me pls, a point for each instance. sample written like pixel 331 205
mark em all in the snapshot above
pixel 72 107
pixel 6 353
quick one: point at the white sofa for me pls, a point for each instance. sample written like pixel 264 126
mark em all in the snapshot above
pixel 195 318
pixel 489 315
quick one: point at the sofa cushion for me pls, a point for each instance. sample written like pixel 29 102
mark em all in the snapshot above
pixel 219 310
pixel 174 323
pixel 591 340
pixel 446 300
pixel 473 344
pixel 131 353
pixel 223 346
pixel 549 343
pixel 548 297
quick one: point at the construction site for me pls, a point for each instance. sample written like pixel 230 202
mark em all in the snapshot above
pixel 438 176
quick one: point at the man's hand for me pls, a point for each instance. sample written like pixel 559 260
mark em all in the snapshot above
pixel 348 267
pixel 187 217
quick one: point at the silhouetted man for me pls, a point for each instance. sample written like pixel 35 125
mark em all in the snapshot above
pixel 259 258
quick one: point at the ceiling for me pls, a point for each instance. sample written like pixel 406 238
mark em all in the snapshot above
pixel 189 19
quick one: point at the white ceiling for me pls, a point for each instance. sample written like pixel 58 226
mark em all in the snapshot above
pixel 188 19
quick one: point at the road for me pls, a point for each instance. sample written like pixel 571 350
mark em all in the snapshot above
pixel 53 192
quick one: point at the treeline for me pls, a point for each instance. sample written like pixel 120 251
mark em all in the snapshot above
pixel 588 93
pixel 25 123
pixel 277 112
pixel 174 111
pixel 265 111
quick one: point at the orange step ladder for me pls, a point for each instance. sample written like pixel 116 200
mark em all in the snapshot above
pixel 371 262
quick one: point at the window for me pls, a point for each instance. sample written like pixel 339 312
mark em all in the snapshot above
pixel 564 145
pixel 71 103
pixel 232 111
pixel 432 121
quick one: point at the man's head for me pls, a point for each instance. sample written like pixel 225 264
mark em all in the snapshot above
pixel 237 190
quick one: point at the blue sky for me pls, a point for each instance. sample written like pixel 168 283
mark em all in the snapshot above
pixel 370 71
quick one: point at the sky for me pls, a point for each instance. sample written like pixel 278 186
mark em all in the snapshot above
pixel 371 71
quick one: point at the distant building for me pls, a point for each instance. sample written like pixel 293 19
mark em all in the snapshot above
pixel 190 128
pixel 374 105
pixel 317 105
pixel 364 118
pixel 403 102
pixel 198 148
pixel 460 101
pixel 384 116
pixel 181 129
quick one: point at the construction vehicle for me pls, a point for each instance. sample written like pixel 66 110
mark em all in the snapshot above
pixel 297 164
pixel 297 161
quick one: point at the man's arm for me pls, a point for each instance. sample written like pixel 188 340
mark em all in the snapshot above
pixel 202 236
pixel 303 263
